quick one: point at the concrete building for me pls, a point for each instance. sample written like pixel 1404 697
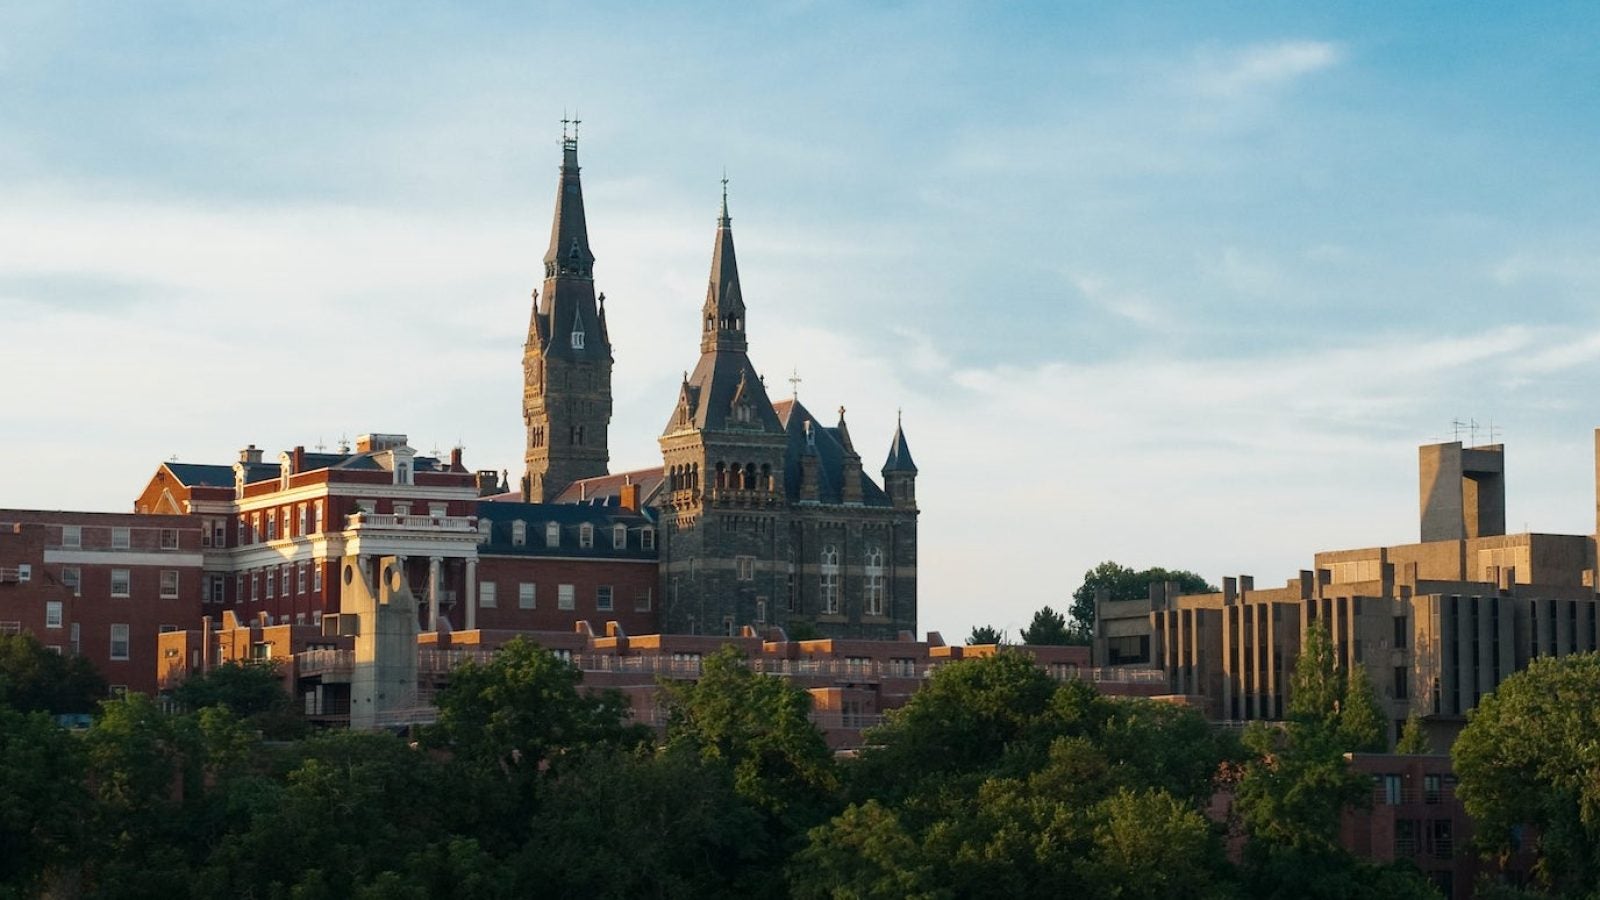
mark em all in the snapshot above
pixel 1437 624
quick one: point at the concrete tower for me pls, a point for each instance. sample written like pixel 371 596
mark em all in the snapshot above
pixel 566 363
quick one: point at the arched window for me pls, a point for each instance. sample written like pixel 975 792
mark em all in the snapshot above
pixel 519 533
pixel 485 526
pixel 586 535
pixel 552 534
pixel 830 580
pixel 873 605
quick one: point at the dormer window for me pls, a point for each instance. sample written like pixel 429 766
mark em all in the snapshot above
pixel 552 534
pixel 586 535
pixel 519 533
pixel 402 473
pixel 485 526
pixel 619 537
pixel 577 340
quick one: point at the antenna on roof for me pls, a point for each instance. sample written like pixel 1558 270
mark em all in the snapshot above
pixel 1455 426
pixel 344 444
pixel 1494 432
pixel 320 445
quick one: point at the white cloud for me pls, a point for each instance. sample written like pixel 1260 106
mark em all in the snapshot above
pixel 1264 66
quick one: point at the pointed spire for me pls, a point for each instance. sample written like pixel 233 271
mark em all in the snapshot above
pixel 899 452
pixel 844 434
pixel 569 254
pixel 722 325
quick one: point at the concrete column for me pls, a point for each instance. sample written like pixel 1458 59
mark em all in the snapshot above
pixel 434 562
pixel 472 594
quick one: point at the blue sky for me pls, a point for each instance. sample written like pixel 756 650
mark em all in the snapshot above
pixel 1174 284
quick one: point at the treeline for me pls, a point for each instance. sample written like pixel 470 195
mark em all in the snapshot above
pixel 993 781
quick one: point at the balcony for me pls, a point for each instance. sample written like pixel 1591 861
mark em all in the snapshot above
pixel 324 663
pixel 412 523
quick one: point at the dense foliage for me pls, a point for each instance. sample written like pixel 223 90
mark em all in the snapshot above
pixel 1123 583
pixel 994 780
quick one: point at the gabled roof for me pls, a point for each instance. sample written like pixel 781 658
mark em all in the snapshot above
pixel 193 475
pixel 830 450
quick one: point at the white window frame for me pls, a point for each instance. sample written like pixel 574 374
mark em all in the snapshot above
pixel 829 580
pixel 125 640
pixel 552 534
pixel 642 602
pixel 169 538
pixel 567 597
pixel 577 339
pixel 316 577
pixel 519 533
pixel 126 577
pixel 24 573
pixel 486 595
pixel 873 594
pixel 272 582
pixel 121 537
pixel 169 584
pixel 604 598
pixel 619 537
pixel 54 613
pixel 402 509
pixel 647 538
pixel 585 536
pixel 744 568
pixel 527 595
pixel 300 578
pixel 72 537
pixel 72 577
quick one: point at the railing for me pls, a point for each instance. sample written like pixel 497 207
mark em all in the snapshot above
pixel 466 524
pixel 1409 795
pixel 1126 675
pixel 10 575
pixel 324 662
pixel 826 719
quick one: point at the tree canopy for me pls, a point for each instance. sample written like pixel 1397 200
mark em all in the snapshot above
pixel 1047 628
pixel 986 634
pixel 1123 583
pixel 34 678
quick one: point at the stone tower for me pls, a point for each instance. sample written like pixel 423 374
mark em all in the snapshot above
pixel 566 397
pixel 723 452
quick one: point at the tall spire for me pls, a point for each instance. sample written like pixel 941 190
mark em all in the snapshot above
pixel 722 318
pixel 569 253
pixel 899 452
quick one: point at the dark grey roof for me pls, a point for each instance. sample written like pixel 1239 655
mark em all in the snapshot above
pixel 831 453
pixel 201 475
pixel 899 454
pixel 571 517
pixel 568 302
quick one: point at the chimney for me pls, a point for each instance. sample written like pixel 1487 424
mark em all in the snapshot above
pixel 297 460
pixel 628 496
pixel 488 482
pixel 250 454
pixel 455 460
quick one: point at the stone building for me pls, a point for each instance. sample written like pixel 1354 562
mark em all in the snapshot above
pixel 767 516
pixel 1437 624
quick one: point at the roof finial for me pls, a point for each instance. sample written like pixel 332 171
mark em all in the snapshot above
pixel 723 219
pixel 794 384
pixel 569 141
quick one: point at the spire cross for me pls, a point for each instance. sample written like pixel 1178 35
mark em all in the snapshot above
pixel 794 383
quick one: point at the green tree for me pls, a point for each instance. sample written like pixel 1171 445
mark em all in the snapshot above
pixel 36 679
pixel 43 802
pixel 1047 628
pixel 1362 727
pixel 1149 845
pixel 760 727
pixel 250 690
pixel 986 634
pixel 1528 757
pixel 521 711
pixel 1123 583
pixel 1413 739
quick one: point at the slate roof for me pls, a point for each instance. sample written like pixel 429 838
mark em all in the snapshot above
pixel 830 450
pixel 210 475
pixel 899 454
pixel 606 490
pixel 195 475
pixel 571 517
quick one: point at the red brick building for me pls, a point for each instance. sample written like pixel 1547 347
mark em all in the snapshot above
pixel 103 585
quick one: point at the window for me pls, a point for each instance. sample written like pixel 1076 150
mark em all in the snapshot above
pixel 272 527
pixel 316 517
pixel 437 510
pixel 619 537
pixel 552 535
pixel 166 629
pixel 71 537
pixel 285 581
pixel 486 598
pixel 1444 844
pixel 169 538
pixel 577 340
pixel 52 614
pixel 316 578
pixel 24 573
pixel 602 598
pixel 1392 790
pixel 647 539
pixel 272 583
pixel 761 610
pixel 486 529
pixel 121 538
pixel 169 584
pixel 402 509
pixel 300 578
pixel 301 519
pixel 255 585
pixel 1402 682
pixel 519 533
pixel 792 591
pixel 119 642
pixel 72 638
pixel 586 535
pixel 641 601
pixel 874 588
pixel 216 587
pixel 1402 631
pixel 238 587
pixel 72 580
pixel 121 583
pixel 566 597
pixel 1430 789
pixel 1405 837
pixel 527 595
pixel 746 567
pixel 13 627
pixel 902 667
pixel 830 580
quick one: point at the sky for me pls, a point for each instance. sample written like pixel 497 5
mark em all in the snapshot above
pixel 1172 284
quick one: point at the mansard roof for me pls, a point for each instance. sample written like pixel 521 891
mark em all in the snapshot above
pixel 496 521
pixel 830 449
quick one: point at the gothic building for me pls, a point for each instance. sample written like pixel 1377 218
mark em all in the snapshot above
pixel 566 363
pixel 767 516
